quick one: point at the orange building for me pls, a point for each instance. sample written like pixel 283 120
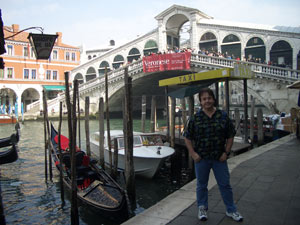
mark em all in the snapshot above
pixel 24 77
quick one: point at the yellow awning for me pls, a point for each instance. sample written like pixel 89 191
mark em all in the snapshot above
pixel 240 71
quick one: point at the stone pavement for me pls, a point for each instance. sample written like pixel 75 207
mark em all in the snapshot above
pixel 266 188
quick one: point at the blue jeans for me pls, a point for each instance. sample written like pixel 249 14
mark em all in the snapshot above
pixel 221 173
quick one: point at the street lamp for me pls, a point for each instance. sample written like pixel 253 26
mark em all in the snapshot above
pixel 42 44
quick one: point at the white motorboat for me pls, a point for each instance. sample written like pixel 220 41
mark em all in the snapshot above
pixel 149 151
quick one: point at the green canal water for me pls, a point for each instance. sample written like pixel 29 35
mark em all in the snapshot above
pixel 29 199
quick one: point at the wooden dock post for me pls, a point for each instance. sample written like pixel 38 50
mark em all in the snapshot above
pixel 75 219
pixel 128 137
pixel 153 115
pixel 78 109
pixel 237 119
pixel 252 120
pixel 191 113
pixel 115 169
pixel 61 183
pixel 144 109
pixel 101 132
pixel 48 134
pixel 107 122
pixel 45 139
pixel 260 132
pixel 183 106
pixel 87 125
pixel 74 208
pixel 172 121
pixel 245 123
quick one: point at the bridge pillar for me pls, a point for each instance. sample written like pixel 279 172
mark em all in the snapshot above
pixel 162 38
pixel 194 34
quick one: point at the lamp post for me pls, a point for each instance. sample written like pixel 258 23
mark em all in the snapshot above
pixel 42 44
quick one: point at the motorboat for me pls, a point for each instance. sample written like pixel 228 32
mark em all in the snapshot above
pixel 149 151
pixel 6 119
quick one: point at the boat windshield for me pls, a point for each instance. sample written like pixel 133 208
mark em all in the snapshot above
pixel 152 140
pixel 136 141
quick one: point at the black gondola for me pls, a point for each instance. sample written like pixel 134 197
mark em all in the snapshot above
pixel 94 186
pixel 13 139
pixel 11 154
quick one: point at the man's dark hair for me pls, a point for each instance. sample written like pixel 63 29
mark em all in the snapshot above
pixel 206 90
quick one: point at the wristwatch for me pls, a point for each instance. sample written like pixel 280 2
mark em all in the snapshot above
pixel 228 153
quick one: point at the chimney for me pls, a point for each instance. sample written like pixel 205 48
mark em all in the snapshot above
pixel 15 28
pixel 58 40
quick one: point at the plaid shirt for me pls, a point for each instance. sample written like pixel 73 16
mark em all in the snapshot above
pixel 209 134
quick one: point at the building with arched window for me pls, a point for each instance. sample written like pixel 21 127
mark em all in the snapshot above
pixel 24 77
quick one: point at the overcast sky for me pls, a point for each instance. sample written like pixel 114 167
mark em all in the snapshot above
pixel 93 23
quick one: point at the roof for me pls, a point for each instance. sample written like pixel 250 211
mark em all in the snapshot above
pixel 22 37
pixel 251 25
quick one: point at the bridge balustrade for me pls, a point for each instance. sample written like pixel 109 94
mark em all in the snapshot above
pixel 261 70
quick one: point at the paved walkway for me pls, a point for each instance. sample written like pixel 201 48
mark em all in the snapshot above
pixel 266 187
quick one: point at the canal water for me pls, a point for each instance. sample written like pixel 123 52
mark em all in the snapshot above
pixel 29 199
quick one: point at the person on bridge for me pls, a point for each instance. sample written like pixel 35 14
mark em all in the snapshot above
pixel 212 132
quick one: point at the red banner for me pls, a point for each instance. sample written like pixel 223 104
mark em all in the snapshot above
pixel 163 62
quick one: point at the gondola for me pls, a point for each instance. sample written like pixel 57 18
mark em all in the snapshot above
pixel 13 139
pixel 94 186
pixel 10 153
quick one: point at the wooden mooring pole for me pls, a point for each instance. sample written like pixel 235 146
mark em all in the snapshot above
pixel 115 170
pixel 78 109
pixel 45 139
pixel 101 133
pixel 252 120
pixel 144 109
pixel 260 132
pixel 128 137
pixel 74 208
pixel 62 195
pixel 153 115
pixel 48 134
pixel 107 122
pixel 87 126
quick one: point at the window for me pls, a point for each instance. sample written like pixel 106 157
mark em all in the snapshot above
pixel 54 54
pixel 73 56
pixel 48 74
pixel 9 50
pixel 32 55
pixel 1 73
pixel 33 74
pixel 26 74
pixel 25 52
pixel 10 73
pixel 54 75
pixel 67 56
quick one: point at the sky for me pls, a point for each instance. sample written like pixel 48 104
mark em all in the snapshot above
pixel 93 23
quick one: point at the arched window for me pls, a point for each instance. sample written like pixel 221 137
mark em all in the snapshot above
pixel 79 77
pixel 134 54
pixel 102 66
pixel 255 50
pixel 150 47
pixel 281 54
pixel 90 74
pixel 231 46
pixel 208 42
pixel 118 61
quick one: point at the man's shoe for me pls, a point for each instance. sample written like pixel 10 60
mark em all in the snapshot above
pixel 235 216
pixel 202 213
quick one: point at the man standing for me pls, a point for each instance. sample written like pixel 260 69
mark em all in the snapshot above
pixel 212 132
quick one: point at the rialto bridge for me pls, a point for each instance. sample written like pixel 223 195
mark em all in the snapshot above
pixel 272 53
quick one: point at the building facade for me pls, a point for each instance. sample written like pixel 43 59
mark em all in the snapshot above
pixel 24 78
